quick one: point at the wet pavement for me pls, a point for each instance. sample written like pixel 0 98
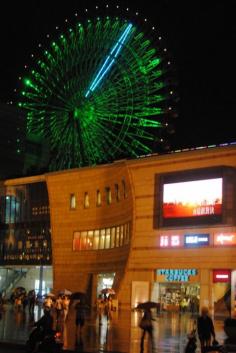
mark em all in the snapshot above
pixel 119 334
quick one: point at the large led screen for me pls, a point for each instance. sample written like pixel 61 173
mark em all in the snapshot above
pixel 192 199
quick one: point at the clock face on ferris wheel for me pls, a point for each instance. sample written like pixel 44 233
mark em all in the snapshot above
pixel 98 92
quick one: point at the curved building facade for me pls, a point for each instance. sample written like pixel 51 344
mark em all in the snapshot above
pixel 163 226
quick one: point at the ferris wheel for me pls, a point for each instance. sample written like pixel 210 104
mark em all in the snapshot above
pixel 99 92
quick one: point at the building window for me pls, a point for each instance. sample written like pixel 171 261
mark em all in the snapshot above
pixel 108 195
pixel 96 239
pixel 72 201
pixel 124 189
pixel 99 199
pixel 86 200
pixel 108 238
pixel 100 239
pixel 117 192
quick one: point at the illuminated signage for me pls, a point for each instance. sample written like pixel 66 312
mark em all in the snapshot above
pixel 192 198
pixel 169 241
pixel 177 275
pixel 221 276
pixel 225 239
pixel 195 240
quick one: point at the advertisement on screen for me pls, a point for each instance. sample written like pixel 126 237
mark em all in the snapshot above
pixel 197 198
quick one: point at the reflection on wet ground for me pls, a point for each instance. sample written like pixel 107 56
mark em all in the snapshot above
pixel 119 334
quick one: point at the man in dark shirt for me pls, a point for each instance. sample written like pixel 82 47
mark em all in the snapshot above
pixel 205 329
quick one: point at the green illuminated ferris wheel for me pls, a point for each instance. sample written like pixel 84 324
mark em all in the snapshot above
pixel 98 93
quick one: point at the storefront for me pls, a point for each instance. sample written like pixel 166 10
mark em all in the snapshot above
pixel 177 289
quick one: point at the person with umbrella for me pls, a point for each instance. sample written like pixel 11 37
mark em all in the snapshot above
pixel 146 321
pixel 79 320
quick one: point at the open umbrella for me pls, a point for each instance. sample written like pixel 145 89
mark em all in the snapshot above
pixel 20 291
pixel 52 295
pixel 108 291
pixel 65 292
pixel 79 296
pixel 148 305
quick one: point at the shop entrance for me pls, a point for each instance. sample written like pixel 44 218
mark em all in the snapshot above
pixel 104 280
pixel 183 297
pixel 222 299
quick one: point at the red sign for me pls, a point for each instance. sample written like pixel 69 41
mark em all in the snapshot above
pixel 221 276
pixel 225 239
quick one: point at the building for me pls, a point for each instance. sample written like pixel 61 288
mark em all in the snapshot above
pixel 161 227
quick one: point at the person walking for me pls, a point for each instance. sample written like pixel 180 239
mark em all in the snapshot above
pixel 146 326
pixel 79 320
pixel 205 329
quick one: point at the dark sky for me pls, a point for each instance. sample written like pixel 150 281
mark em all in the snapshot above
pixel 200 35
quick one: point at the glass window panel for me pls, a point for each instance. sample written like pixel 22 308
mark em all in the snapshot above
pixel 20 245
pixel 99 198
pixel 121 235
pixel 113 237
pixel 90 240
pixel 76 241
pixel 86 200
pixel 108 195
pixel 83 237
pixel 108 238
pixel 72 201
pixel 117 236
pixel 96 239
pixel 102 239
pixel 28 245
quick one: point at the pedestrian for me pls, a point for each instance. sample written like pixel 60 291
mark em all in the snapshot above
pixel 59 307
pixel 146 325
pixel 205 329
pixel 32 301
pixel 79 319
pixel 65 305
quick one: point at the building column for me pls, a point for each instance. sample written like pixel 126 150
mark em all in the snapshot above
pixel 206 298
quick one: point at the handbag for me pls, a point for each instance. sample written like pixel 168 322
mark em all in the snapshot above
pixel 145 324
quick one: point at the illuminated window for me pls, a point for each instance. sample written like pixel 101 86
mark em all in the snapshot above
pixel 102 239
pixel 20 245
pixel 72 201
pixel 90 240
pixel 113 237
pixel 36 244
pixel 117 236
pixel 83 241
pixel 96 239
pixel 28 244
pixel 121 235
pixel 108 195
pixel 76 241
pixel 99 198
pixel 86 200
pixel 117 192
pixel 108 238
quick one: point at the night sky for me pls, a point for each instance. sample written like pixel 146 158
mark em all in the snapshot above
pixel 200 37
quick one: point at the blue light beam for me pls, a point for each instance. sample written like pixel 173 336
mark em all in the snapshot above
pixel 109 61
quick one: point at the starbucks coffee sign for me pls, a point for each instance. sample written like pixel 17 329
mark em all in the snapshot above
pixel 177 275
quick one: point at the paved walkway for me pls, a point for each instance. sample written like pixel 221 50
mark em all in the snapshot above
pixel 119 334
